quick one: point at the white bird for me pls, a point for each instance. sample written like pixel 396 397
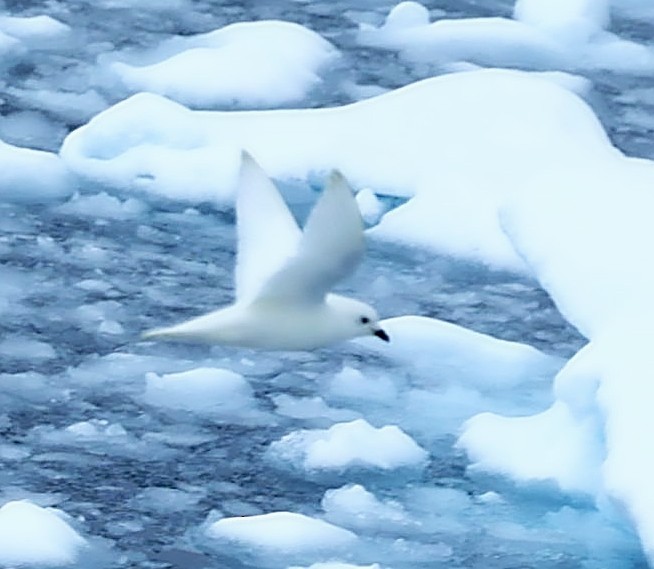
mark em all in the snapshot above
pixel 284 275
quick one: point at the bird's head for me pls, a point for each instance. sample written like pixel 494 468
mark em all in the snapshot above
pixel 358 318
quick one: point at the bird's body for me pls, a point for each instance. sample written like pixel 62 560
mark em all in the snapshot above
pixel 249 325
pixel 283 276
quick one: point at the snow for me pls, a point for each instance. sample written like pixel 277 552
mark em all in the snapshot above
pixel 356 444
pixel 422 140
pixel 285 532
pixel 266 63
pixel 35 536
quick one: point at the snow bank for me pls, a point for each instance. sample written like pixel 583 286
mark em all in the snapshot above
pixel 264 63
pixel 31 535
pixel 27 174
pixel 282 532
pixel 461 144
pixel 356 444
pixel 544 34
pixel 211 391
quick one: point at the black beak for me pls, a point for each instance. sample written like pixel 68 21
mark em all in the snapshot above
pixel 382 335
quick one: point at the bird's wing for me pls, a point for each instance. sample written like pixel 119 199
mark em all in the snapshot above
pixel 331 247
pixel 267 233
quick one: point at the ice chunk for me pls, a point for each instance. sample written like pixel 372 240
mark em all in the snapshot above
pixel 337 565
pixel 30 535
pixel 354 506
pixel 72 107
pixel 282 532
pixel 575 20
pixel 102 205
pixel 166 500
pixel 464 356
pixel 350 383
pixel 543 35
pixel 263 63
pixel 31 129
pixel 499 42
pixel 369 205
pixel 34 29
pixel 356 444
pixel 310 408
pixel 32 174
pixel 211 391
pixel 530 126
pixel 18 347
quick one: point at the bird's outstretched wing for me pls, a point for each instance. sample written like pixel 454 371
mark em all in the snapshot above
pixel 267 233
pixel 331 247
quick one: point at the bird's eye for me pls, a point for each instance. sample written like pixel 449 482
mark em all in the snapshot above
pixel 364 320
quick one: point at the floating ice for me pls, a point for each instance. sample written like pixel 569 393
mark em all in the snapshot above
pixel 353 506
pixel 264 63
pixel 356 444
pixel 102 205
pixel 544 34
pixel 212 391
pixel 350 383
pixel 592 434
pixel 30 535
pixel 463 356
pixel 496 42
pixel 424 140
pixel 35 31
pixel 18 347
pixel 370 206
pixel 32 174
pixel 337 565
pixel 310 408
pixel 572 19
pixel 282 532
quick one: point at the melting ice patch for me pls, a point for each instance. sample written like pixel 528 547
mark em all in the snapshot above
pixel 246 64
